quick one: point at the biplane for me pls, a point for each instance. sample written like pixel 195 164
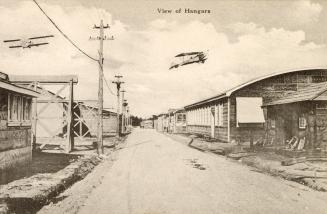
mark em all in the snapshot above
pixel 28 43
pixel 191 57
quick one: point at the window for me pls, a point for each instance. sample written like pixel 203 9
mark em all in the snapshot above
pixel 216 115
pixel 197 117
pixel 19 111
pixel 273 123
pixel 180 117
pixel 248 110
pixel 302 122
pixel 4 107
pixel 220 114
pixel 209 116
pixel 205 116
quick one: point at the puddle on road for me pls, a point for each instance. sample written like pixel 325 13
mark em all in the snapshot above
pixel 194 163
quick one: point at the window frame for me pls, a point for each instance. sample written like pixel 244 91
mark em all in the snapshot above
pixel 220 122
pixel 22 115
pixel 302 122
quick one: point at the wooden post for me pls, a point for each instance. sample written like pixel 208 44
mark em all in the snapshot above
pixel 118 84
pixel 34 121
pixel 228 120
pixel 118 112
pixel 100 93
pixel 122 111
pixel 70 125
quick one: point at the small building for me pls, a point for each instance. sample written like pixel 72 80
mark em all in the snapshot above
pixel 178 121
pixel 147 124
pixel 237 114
pixel 15 123
pixel 161 122
pixel 165 123
pixel 155 122
pixel 86 121
pixel 171 120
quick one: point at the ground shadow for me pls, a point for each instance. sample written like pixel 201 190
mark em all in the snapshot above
pixel 41 163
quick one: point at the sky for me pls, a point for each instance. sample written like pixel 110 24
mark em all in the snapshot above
pixel 243 39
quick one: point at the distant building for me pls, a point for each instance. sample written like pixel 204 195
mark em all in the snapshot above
pixel 162 123
pixel 171 120
pixel 178 121
pixel 89 116
pixel 174 121
pixel 15 123
pixel 147 124
pixel 275 107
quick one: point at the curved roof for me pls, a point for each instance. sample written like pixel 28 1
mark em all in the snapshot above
pixel 308 93
pixel 234 89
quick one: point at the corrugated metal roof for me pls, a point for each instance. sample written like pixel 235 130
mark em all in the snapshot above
pixel 232 90
pixel 314 91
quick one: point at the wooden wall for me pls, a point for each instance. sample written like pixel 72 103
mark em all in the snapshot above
pixel 15 141
pixel 91 121
pixel 321 125
pixel 287 123
pixel 15 138
pixel 272 89
pixel 15 146
pixel 198 129
pixel 221 132
pixel 109 123
pixel 269 89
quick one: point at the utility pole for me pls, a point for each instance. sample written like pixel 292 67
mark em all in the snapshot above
pixel 101 38
pixel 123 111
pixel 128 118
pixel 118 83
pixel 125 115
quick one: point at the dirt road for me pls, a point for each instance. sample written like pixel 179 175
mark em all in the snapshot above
pixel 155 174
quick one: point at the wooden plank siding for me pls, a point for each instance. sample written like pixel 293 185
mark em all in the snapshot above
pixel 270 89
pixel 15 136
pixel 220 131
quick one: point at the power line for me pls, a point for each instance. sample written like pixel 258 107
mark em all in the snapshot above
pixel 56 26
pixel 107 84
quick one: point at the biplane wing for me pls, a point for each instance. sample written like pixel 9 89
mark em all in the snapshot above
pixel 174 66
pixel 38 44
pixel 188 53
pixel 40 37
pixel 15 46
pixel 191 57
pixel 12 40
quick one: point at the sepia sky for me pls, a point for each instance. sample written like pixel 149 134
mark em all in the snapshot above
pixel 244 39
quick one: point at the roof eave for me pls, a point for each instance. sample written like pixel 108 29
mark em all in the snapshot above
pixel 215 98
pixel 18 89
